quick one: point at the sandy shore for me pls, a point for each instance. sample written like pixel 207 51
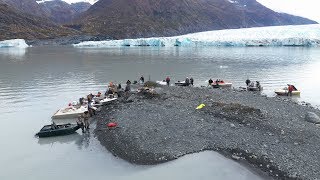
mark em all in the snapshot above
pixel 268 133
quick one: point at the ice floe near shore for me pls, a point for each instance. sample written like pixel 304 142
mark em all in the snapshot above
pixel 16 43
pixel 299 35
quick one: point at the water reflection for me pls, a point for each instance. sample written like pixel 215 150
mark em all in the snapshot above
pixel 13 54
pixel 68 139
pixel 48 78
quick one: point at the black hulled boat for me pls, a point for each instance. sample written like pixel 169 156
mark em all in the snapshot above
pixel 57 130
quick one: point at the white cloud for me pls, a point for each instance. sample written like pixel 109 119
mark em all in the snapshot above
pixel 304 8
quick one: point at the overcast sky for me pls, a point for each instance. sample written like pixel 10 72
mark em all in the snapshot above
pixel 305 8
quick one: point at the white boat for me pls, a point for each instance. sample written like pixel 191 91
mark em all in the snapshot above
pixel 181 83
pixel 284 91
pixel 221 83
pixel 107 100
pixel 69 112
pixel 164 83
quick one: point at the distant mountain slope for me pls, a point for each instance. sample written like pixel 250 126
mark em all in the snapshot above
pixel 146 18
pixel 62 12
pixel 14 24
pixel 26 6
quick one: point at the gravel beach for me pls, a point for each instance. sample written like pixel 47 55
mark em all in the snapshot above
pixel 269 133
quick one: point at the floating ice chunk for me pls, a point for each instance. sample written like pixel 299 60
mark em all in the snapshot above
pixel 16 43
pixel 300 35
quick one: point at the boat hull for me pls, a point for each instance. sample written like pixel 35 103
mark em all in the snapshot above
pixel 285 93
pixel 63 129
pixel 181 83
pixel 221 85
pixel 65 113
pixel 163 83
pixel 254 88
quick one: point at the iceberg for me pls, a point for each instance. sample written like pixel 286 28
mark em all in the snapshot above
pixel 297 35
pixel 16 43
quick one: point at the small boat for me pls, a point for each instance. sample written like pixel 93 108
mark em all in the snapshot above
pixel 220 83
pixel 107 100
pixel 57 130
pixel 284 91
pixel 181 83
pixel 163 83
pixel 70 112
pixel 254 88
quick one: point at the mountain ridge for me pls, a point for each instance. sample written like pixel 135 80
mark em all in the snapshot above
pixel 147 18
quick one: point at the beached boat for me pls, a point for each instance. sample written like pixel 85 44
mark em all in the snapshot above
pixel 181 83
pixel 164 83
pixel 254 88
pixel 284 91
pixel 70 112
pixel 57 130
pixel 107 100
pixel 220 83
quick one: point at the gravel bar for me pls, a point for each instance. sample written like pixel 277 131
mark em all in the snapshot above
pixel 270 133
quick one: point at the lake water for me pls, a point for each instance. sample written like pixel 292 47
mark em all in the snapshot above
pixel 35 82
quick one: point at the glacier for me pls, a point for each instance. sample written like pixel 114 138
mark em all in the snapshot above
pixel 294 35
pixel 14 43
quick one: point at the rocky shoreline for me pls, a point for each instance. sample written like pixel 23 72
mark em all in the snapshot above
pixel 270 134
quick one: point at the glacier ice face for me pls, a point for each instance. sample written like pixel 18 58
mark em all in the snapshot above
pixel 300 35
pixel 16 43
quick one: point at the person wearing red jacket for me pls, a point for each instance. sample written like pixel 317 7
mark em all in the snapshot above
pixel 290 89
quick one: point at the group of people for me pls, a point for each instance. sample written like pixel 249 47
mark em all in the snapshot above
pixel 189 81
pixel 252 84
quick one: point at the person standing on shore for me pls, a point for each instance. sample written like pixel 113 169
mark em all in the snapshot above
pixel 128 88
pixel 290 89
pixel 168 81
pixel 248 82
pixel 80 122
pixel 86 120
pixel 141 80
pixel 187 81
pixel 210 82
pixel 191 81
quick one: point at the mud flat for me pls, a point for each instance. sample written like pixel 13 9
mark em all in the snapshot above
pixel 271 134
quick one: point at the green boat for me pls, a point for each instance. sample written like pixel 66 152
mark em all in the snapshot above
pixel 57 130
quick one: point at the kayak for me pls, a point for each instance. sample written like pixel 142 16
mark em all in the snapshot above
pixel 57 130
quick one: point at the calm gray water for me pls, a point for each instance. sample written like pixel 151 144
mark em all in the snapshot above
pixel 37 81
